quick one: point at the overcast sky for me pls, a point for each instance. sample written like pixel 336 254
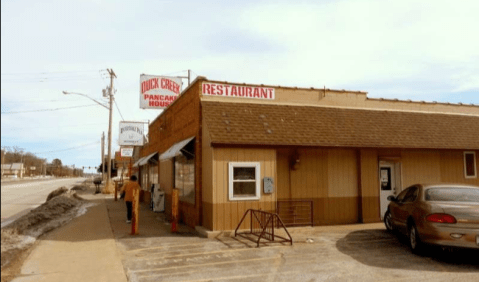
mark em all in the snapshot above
pixel 418 50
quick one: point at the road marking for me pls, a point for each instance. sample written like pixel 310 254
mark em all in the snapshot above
pixel 163 247
pixel 203 253
pixel 228 278
pixel 203 264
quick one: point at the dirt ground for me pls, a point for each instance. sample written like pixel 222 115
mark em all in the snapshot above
pixel 19 238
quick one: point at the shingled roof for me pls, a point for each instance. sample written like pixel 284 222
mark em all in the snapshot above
pixel 286 125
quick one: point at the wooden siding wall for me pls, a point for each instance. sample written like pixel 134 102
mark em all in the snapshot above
pixel 226 213
pixel 329 177
pixel 452 168
pixel 207 170
pixel 369 186
pixel 420 167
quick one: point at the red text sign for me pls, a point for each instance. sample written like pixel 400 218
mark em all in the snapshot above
pixel 229 90
pixel 158 92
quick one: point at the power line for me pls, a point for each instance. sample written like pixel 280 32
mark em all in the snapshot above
pixel 21 128
pixel 40 101
pixel 44 110
pixel 42 80
pixel 118 110
pixel 30 73
pixel 67 149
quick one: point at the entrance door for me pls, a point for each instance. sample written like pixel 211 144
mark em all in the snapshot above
pixel 387 184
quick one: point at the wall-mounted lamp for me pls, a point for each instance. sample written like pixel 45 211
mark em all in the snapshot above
pixel 294 163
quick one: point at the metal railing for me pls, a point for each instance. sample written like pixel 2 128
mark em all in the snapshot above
pixel 296 212
pixel 263 225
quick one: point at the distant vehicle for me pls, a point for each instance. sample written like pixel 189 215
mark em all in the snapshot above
pixel 446 215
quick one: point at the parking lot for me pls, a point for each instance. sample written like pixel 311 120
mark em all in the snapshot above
pixel 361 252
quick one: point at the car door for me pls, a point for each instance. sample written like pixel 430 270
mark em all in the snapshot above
pixel 395 207
pixel 406 207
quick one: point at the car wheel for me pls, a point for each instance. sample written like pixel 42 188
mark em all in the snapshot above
pixel 388 221
pixel 414 241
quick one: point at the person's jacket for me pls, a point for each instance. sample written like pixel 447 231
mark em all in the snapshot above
pixel 129 188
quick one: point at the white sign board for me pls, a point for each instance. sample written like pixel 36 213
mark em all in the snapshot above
pixel 229 90
pixel 131 133
pixel 158 92
pixel 126 152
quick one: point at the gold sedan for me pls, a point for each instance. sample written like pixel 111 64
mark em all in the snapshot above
pixel 445 214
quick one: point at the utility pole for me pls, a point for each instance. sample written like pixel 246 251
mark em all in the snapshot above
pixel 112 75
pixel 3 159
pixel 103 156
pixel 189 77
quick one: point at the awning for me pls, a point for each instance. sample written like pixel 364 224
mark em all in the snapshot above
pixel 146 159
pixel 175 150
pixel 138 161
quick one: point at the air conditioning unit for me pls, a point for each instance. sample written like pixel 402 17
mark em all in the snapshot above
pixel 158 199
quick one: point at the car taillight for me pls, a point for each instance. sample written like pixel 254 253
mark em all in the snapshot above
pixel 441 218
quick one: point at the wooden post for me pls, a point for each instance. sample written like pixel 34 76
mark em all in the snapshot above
pixel 136 211
pixel 174 210
pixel 116 191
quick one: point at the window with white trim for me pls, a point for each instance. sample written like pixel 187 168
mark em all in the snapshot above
pixel 244 181
pixel 470 169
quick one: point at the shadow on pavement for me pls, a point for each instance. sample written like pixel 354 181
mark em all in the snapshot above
pixel 151 224
pixel 379 248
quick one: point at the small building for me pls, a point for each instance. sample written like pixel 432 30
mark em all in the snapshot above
pixel 13 169
pixel 331 155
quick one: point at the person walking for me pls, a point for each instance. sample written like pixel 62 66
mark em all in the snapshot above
pixel 129 189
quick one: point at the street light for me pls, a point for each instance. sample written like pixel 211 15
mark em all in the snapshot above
pixel 109 130
pixel 66 93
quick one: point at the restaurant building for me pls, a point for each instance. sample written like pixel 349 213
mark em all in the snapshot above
pixel 315 156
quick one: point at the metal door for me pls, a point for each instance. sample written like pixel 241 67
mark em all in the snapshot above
pixel 387 185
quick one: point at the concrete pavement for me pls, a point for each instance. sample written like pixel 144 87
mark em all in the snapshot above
pixel 98 247
pixel 83 250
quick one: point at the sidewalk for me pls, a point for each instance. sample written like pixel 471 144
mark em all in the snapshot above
pixel 83 250
pixel 98 247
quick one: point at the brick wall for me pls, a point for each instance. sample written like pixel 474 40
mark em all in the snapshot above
pixel 179 121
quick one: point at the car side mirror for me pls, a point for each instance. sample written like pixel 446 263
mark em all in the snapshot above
pixel 391 198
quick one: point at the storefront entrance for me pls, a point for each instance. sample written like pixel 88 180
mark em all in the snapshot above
pixel 389 182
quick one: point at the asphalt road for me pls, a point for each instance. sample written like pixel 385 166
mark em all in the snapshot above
pixel 19 197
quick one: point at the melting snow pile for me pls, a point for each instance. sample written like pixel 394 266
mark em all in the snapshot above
pixel 61 206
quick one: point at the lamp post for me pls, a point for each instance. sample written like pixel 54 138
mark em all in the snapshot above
pixel 110 108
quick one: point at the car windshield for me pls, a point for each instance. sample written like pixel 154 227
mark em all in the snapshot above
pixel 453 194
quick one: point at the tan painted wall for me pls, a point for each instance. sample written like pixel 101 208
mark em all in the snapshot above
pixel 328 177
pixel 227 214
pixel 343 176
pixel 452 168
pixel 434 167
pixel 345 98
pixel 420 167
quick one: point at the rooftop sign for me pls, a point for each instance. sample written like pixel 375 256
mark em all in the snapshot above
pixel 229 90
pixel 158 92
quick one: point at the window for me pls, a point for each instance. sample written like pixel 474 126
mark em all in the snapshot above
pixel 403 193
pixel 411 195
pixel 470 170
pixel 185 178
pixel 244 181
pixel 453 194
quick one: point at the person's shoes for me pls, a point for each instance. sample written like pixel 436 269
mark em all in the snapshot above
pixel 128 221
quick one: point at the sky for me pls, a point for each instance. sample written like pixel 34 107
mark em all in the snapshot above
pixel 418 50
